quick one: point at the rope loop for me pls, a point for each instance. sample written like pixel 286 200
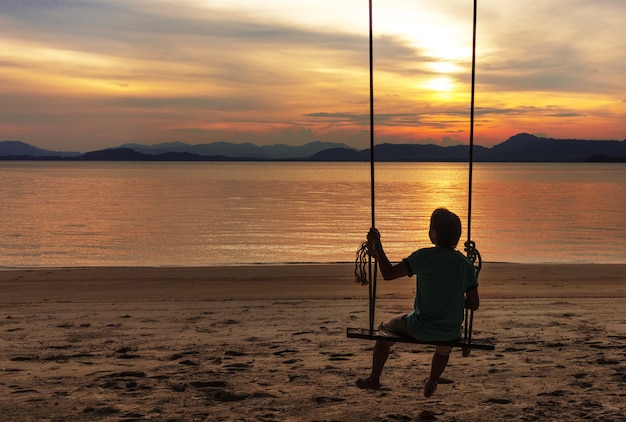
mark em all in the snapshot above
pixel 360 265
pixel 473 254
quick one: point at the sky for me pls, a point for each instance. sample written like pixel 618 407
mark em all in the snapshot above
pixel 81 75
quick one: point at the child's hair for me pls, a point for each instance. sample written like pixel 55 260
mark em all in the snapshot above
pixel 448 227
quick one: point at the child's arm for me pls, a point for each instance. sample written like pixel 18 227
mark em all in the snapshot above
pixel 472 301
pixel 388 270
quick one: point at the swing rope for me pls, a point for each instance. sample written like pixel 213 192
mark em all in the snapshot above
pixel 365 270
pixel 372 266
pixel 470 246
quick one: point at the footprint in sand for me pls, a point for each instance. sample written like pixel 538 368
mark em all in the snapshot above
pixel 340 356
pixel 234 367
pixel 282 353
pixel 325 399
pixel 234 353
pixel 498 401
pixel 210 384
pixel 603 361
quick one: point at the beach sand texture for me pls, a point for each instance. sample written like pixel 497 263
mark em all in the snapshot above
pixel 268 343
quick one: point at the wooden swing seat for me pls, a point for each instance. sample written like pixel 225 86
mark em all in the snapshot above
pixel 366 334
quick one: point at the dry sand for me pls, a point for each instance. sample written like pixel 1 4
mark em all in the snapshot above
pixel 268 343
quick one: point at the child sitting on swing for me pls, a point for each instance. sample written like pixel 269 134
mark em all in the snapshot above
pixel 446 284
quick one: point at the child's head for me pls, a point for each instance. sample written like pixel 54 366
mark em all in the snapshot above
pixel 445 228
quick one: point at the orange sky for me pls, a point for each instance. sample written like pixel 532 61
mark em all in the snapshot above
pixel 86 75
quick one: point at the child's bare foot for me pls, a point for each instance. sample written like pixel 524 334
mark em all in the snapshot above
pixel 367 384
pixel 429 388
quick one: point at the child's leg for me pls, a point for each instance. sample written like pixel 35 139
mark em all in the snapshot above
pixel 396 324
pixel 379 357
pixel 438 365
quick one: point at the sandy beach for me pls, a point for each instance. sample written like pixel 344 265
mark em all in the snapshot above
pixel 268 343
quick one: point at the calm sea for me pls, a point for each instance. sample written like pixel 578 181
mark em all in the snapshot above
pixel 191 214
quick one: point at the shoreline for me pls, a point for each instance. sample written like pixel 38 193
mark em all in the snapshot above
pixel 309 281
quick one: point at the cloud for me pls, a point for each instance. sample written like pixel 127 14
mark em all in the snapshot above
pixel 290 135
pixel 388 119
pixel 563 45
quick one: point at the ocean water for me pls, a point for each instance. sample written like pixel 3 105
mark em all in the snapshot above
pixel 69 214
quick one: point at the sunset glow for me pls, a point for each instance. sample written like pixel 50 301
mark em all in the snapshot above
pixel 88 75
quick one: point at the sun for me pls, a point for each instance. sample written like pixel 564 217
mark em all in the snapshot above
pixel 440 84
pixel 441 44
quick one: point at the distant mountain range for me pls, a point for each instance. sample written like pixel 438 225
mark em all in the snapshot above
pixel 9 149
pixel 519 148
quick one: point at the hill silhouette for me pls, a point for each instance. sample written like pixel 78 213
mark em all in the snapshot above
pixel 523 147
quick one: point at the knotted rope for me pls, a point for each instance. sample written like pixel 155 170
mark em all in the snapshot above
pixel 360 265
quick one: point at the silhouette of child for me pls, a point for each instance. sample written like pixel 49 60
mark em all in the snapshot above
pixel 446 284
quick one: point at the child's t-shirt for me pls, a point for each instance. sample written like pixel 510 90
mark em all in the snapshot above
pixel 443 277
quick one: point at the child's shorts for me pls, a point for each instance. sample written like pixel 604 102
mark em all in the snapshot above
pixel 398 325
